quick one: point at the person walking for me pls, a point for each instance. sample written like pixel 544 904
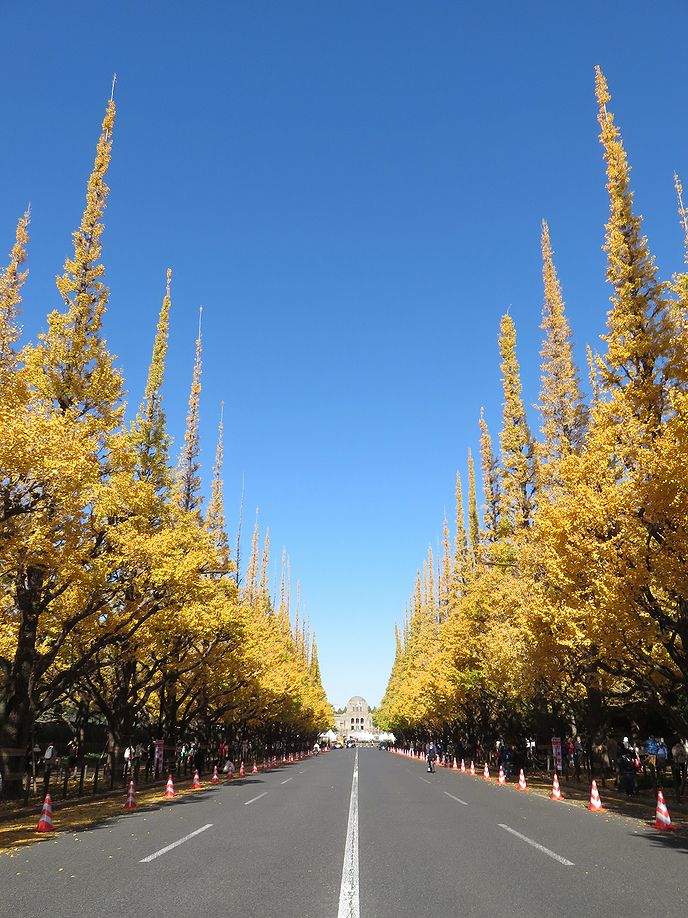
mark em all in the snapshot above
pixel 49 760
pixel 431 755
pixel 625 764
pixel 678 767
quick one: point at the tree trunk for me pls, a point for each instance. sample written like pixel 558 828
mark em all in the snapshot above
pixel 17 708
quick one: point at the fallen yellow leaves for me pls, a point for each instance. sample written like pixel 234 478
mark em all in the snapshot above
pixel 81 814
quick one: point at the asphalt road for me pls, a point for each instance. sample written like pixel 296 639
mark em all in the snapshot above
pixel 362 834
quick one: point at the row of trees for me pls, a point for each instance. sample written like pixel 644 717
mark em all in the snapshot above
pixel 119 596
pixel 567 602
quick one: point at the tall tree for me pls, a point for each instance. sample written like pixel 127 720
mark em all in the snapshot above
pixel 562 407
pixel 473 521
pixel 639 336
pixel 491 483
pixel 11 281
pixel 518 472
pixel 149 431
pixel 215 521
pixel 71 365
pixel 188 482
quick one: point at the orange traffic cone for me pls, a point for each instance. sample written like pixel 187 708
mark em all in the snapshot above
pixel 486 773
pixel 463 767
pixel 556 792
pixel 254 770
pixel 215 778
pixel 502 778
pixel 663 819
pixel 45 823
pixel 472 768
pixel 196 781
pixel 131 797
pixel 522 781
pixel 595 804
pixel 455 767
pixel 242 771
pixel 169 790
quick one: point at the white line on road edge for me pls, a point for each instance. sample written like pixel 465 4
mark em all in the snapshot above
pixel 458 799
pixel 286 779
pixel 253 799
pixel 557 857
pixel 152 857
pixel 349 906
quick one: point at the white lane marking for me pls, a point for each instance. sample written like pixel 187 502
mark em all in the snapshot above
pixel 286 779
pixel 424 779
pixel 458 799
pixel 152 857
pixel 253 799
pixel 557 857
pixel 349 906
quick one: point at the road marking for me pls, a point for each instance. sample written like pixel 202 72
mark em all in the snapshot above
pixel 424 779
pixel 458 799
pixel 152 857
pixel 557 857
pixel 286 779
pixel 253 799
pixel 349 906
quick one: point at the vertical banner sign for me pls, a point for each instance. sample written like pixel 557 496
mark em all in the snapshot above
pixel 556 752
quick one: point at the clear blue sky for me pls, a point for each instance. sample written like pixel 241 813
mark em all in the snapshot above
pixel 354 194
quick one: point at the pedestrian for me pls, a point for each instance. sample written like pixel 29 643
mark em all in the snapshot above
pixel 49 762
pixel 678 767
pixel 625 764
pixel 72 755
pixel 662 756
pixel 431 755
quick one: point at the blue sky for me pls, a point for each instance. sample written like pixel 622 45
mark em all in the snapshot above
pixel 354 193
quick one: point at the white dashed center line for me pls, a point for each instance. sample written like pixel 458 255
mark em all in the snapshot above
pixel 152 857
pixel 253 799
pixel 458 799
pixel 349 905
pixel 556 857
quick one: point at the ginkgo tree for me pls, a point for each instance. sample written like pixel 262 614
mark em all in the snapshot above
pixel 576 603
pixel 118 596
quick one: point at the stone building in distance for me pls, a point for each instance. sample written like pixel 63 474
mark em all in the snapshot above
pixel 356 718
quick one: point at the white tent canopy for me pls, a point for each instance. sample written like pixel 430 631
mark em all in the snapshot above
pixel 330 735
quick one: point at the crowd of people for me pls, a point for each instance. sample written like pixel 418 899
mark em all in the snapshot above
pixel 629 763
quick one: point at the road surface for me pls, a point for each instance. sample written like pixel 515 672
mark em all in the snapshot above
pixel 352 834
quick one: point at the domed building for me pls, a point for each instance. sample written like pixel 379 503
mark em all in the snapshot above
pixel 356 718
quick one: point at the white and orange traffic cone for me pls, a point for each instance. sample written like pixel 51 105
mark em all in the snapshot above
pixel 502 777
pixel 522 785
pixel 45 823
pixel 463 767
pixel 595 805
pixel 131 797
pixel 169 790
pixel 663 819
pixel 215 778
pixel 242 771
pixel 556 791
pixel 486 773
pixel 254 770
pixel 455 767
pixel 472 767
pixel 196 781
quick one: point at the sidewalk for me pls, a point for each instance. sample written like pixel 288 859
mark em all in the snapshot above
pixel 18 828
pixel 642 807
